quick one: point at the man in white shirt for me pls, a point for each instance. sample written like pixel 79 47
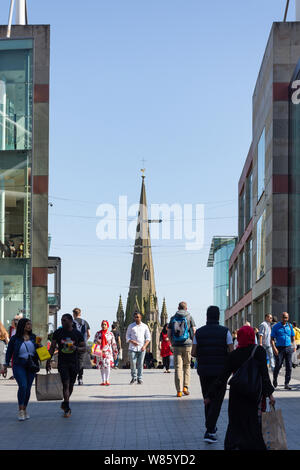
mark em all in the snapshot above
pixel 265 338
pixel 138 336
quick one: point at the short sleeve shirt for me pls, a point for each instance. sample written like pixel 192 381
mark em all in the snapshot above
pixel 283 334
pixel 65 339
pixel 265 332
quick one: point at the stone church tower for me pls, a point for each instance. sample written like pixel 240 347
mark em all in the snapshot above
pixel 142 293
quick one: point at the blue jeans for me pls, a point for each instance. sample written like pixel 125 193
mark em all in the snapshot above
pixel 24 380
pixel 116 362
pixel 137 363
pixel 284 353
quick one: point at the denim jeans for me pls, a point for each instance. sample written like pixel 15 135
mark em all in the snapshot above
pixel 270 356
pixel 137 363
pixel 284 353
pixel 116 361
pixel 24 380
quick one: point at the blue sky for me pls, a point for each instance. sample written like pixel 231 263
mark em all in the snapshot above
pixel 167 81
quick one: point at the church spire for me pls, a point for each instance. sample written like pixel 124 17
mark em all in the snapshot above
pixel 142 290
pixel 164 314
pixel 120 313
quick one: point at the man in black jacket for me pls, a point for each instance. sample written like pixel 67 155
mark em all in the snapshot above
pixel 211 345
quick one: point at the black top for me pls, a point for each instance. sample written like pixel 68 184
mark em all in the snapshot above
pixel 212 349
pixel 63 337
pixel 235 359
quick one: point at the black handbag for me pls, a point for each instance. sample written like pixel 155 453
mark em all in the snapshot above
pixel 247 380
pixel 30 364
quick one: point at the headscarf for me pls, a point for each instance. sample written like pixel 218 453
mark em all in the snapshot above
pixel 245 336
pixel 103 335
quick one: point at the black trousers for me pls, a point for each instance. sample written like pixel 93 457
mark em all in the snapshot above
pixel 166 362
pixel 284 352
pixel 81 367
pixel 212 410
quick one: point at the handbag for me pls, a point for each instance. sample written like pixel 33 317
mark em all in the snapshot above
pixel 96 350
pixel 43 353
pixel 273 429
pixel 48 387
pixel 247 380
pixel 30 364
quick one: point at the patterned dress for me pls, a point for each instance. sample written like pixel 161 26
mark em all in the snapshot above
pixel 109 352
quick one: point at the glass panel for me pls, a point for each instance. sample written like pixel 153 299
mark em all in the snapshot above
pixel 16 97
pixel 221 276
pixel 241 274
pixel 249 195
pixel 14 289
pixel 15 196
pixel 242 227
pixel 248 265
pixel 14 44
pixel 261 165
pixel 294 210
pixel 260 246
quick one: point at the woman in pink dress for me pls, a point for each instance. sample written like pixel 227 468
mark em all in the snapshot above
pixel 109 351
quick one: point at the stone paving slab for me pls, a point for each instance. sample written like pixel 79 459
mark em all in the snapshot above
pixel 126 417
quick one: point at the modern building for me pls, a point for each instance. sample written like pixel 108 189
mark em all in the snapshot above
pixel 219 254
pixel 264 267
pixel 142 292
pixel 24 144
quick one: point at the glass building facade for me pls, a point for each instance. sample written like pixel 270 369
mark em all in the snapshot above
pixel 16 116
pixel 294 204
pixel 220 253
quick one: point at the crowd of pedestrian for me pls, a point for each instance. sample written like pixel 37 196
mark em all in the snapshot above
pixel 217 353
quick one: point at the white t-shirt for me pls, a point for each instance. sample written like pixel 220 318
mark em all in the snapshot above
pixel 139 333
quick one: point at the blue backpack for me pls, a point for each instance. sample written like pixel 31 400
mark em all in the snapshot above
pixel 180 329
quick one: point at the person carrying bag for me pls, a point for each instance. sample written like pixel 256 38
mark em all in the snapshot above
pixel 48 387
pixel 22 350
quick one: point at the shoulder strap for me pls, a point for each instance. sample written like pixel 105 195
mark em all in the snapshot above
pixel 253 351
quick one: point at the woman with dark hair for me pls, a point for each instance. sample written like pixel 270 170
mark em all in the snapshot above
pixel 244 430
pixel 22 349
pixel 109 351
pixel 165 348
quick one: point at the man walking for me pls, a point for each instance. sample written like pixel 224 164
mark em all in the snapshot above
pixel 70 343
pixel 265 338
pixel 117 336
pixel 181 330
pixel 138 336
pixel 84 328
pixel 211 346
pixel 283 333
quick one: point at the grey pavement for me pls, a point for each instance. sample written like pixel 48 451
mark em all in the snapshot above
pixel 126 417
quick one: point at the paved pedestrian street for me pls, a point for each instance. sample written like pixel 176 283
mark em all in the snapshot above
pixel 126 417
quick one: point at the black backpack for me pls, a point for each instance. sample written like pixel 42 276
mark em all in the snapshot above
pixel 247 380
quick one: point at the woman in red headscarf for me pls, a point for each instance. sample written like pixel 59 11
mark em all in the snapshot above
pixel 109 351
pixel 244 427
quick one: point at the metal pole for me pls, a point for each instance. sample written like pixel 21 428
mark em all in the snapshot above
pixel 286 10
pixel 12 2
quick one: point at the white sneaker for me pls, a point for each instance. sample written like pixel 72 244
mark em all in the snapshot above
pixel 26 415
pixel 21 415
